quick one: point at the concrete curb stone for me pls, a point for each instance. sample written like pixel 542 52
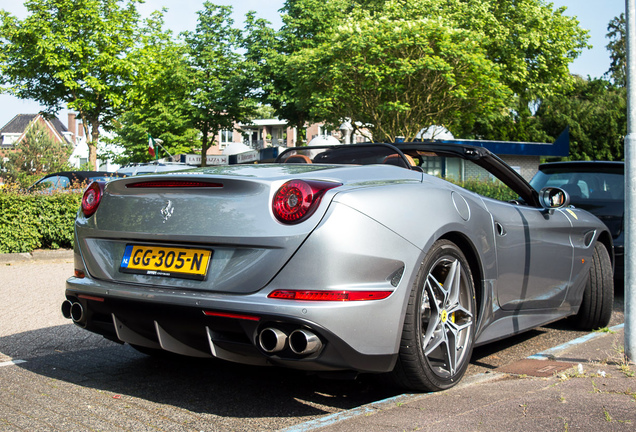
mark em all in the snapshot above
pixel 36 255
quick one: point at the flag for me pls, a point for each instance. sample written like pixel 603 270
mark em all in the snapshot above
pixel 151 147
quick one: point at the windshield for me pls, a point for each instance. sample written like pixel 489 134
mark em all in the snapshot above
pixel 583 186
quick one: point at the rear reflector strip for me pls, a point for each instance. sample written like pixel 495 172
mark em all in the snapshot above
pixel 174 184
pixel 231 315
pixel 93 298
pixel 329 295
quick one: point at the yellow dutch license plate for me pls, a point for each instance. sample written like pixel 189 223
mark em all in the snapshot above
pixel 166 261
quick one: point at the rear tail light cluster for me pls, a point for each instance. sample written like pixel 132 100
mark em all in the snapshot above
pixel 92 197
pixel 297 200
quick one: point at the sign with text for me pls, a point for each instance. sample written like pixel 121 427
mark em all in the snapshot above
pixel 192 159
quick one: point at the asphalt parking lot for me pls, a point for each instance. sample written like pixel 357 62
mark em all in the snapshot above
pixel 56 376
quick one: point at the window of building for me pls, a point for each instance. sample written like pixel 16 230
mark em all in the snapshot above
pixel 226 138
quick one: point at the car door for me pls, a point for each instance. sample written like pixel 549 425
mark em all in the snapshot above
pixel 534 255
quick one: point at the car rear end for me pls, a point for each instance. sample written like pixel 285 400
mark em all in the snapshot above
pixel 253 264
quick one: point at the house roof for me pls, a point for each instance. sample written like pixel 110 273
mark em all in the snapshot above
pixel 561 147
pixel 19 124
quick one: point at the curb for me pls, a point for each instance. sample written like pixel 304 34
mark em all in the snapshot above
pixel 37 255
pixel 367 409
pixel 552 352
pixel 383 404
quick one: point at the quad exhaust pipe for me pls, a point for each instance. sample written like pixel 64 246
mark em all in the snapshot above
pixel 304 342
pixel 66 309
pixel 73 311
pixel 272 340
pixel 300 341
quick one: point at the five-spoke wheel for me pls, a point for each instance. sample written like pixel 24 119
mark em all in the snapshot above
pixel 438 334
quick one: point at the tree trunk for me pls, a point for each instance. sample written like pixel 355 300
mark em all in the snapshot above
pixel 204 145
pixel 92 144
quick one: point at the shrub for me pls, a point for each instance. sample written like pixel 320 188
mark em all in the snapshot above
pixel 490 189
pixel 31 221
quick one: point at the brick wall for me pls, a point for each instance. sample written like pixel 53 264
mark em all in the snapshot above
pixel 527 166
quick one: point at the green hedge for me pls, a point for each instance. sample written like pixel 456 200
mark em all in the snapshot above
pixel 32 221
pixel 490 189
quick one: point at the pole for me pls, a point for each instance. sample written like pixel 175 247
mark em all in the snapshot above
pixel 159 142
pixel 630 185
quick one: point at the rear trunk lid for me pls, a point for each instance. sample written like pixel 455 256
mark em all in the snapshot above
pixel 232 219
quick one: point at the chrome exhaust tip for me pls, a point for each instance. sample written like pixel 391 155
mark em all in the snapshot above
pixel 272 340
pixel 66 309
pixel 77 312
pixel 304 342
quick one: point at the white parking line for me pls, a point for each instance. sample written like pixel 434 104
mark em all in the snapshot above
pixel 12 362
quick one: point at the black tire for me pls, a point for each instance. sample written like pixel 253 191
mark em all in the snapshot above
pixel 438 336
pixel 598 297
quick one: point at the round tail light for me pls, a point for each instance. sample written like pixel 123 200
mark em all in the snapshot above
pixel 296 200
pixel 92 197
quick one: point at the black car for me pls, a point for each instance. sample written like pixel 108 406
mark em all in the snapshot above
pixel 68 179
pixel 596 186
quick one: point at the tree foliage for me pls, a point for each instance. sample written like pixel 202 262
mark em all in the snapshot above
pixel 596 112
pixel 518 49
pixel 616 31
pixel 220 88
pixel 156 103
pixel 73 53
pixel 398 75
pixel 397 66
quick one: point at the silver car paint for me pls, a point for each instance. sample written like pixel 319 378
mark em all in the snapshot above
pixel 355 239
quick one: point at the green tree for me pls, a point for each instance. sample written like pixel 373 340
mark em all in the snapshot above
pixel 73 53
pixel 306 24
pixel 522 47
pixel 157 99
pixel 533 43
pixel 616 30
pixel 36 154
pixel 596 112
pixel 398 76
pixel 220 92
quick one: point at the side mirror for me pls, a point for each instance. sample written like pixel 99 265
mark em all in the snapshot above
pixel 553 198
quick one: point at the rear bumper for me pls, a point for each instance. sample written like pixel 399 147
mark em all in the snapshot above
pixel 187 330
pixel 347 251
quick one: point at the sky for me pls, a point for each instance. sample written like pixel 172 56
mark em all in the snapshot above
pixel 593 15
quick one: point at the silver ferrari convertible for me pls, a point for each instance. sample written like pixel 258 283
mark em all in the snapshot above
pixel 367 258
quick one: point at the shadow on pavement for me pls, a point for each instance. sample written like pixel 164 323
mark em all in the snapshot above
pixel 209 386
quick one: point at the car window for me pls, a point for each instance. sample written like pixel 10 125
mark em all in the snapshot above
pixel 584 186
pixel 63 182
pixel 49 183
pixel 100 178
pixel 466 174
